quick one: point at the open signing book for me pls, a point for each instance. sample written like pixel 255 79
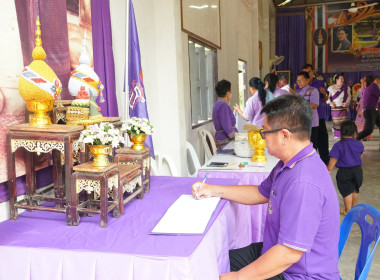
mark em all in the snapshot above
pixel 187 216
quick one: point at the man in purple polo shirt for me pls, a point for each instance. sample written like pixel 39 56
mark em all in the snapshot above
pixel 323 136
pixel 370 113
pixel 311 94
pixel 302 225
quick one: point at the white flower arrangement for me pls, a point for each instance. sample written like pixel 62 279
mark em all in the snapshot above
pixel 135 126
pixel 101 134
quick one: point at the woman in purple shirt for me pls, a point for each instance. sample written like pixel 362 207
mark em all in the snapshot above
pixel 222 115
pixel 260 96
pixel 346 155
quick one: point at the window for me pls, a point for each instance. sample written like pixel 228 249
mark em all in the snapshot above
pixel 203 77
pixel 243 95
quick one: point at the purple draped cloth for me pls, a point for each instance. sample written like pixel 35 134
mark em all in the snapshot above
pixel 290 40
pixel 103 56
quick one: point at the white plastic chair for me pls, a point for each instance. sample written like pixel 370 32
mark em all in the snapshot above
pixel 163 165
pixel 207 140
pixel 193 160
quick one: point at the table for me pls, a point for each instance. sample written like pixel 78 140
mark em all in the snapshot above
pixel 62 141
pixel 253 174
pixel 40 245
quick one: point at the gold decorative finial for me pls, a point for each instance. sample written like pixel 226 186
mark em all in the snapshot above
pixel 38 52
pixel 38 40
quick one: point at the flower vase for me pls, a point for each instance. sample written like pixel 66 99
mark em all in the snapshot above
pixel 138 141
pixel 100 153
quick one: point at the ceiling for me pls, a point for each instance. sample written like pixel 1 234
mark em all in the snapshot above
pixel 303 3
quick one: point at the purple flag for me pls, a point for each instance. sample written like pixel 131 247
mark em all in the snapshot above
pixel 137 97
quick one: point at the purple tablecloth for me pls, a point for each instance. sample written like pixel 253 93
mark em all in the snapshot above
pixel 257 214
pixel 40 245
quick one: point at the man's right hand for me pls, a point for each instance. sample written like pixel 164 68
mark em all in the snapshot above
pixel 200 190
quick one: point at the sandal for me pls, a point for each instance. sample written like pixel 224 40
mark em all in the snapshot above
pixel 343 212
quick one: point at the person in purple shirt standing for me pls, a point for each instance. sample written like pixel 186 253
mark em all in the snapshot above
pixel 255 103
pixel 271 81
pixel 301 232
pixel 346 155
pixel 323 136
pixel 310 94
pixel 370 103
pixel 222 115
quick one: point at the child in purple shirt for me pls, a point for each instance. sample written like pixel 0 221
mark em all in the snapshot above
pixel 346 155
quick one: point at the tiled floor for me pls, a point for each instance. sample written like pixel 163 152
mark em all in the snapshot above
pixel 369 194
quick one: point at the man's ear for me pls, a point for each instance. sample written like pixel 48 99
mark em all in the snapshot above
pixel 284 136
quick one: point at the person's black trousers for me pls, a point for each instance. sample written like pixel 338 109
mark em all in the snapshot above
pixel 323 141
pixel 242 257
pixel 371 117
pixel 314 137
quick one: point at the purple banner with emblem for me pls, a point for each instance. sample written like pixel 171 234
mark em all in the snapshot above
pixel 137 97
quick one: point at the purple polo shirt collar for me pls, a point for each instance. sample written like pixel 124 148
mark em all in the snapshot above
pixel 304 153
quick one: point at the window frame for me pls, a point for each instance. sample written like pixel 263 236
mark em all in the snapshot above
pixel 210 99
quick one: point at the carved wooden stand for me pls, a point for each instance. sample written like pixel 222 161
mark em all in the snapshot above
pixel 132 157
pixel 62 141
pixel 102 183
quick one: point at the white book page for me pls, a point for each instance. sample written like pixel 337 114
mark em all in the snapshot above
pixel 187 216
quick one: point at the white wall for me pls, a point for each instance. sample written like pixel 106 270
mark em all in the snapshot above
pixel 164 58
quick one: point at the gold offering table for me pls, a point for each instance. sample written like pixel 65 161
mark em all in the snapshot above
pixel 62 141
pixel 134 157
pixel 102 184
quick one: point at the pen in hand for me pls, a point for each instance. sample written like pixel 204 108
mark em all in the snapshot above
pixel 200 187
pixel 204 180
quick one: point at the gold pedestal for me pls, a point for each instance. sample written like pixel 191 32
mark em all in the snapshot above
pixel 40 110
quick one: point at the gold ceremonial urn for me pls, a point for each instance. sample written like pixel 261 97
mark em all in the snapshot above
pixel 39 86
pixel 258 144
pixel 138 141
pixel 100 153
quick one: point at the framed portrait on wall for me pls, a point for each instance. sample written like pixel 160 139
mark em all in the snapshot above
pixel 283 78
pixel 202 21
pixel 341 38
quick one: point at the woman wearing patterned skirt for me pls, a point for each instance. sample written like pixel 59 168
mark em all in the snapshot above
pixel 339 100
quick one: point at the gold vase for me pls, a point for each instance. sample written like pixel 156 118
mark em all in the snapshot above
pixel 100 153
pixel 138 141
pixel 258 145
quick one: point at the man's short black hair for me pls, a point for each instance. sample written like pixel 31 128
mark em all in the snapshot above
pixel 304 73
pixel 222 87
pixel 307 66
pixel 291 112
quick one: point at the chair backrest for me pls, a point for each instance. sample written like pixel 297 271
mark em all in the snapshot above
pixel 193 159
pixel 209 144
pixel 163 165
pixel 370 229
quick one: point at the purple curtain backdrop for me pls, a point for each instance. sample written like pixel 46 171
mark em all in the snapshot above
pixel 290 40
pixel 103 56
